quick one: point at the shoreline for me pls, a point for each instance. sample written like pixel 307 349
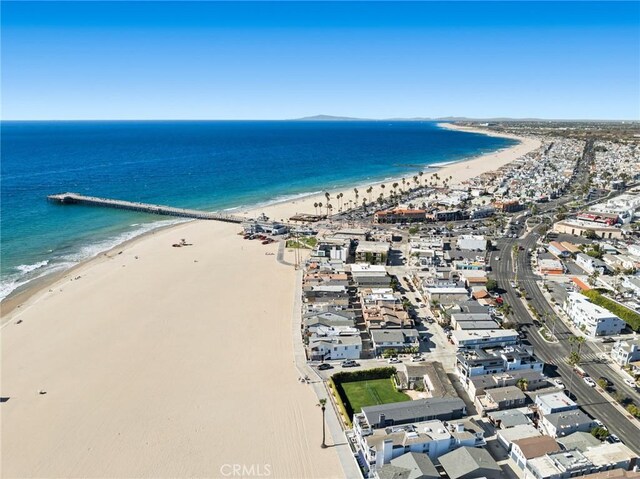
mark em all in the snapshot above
pixel 190 358
pixel 24 294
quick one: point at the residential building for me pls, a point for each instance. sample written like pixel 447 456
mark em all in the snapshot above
pixel 559 465
pixel 594 320
pixel 478 362
pixel 366 275
pixel 334 347
pixel 506 437
pixel 579 440
pixel 430 376
pixel 611 456
pixel 408 466
pixel 510 418
pixel 470 463
pixel 558 250
pixel 477 385
pixel 373 252
pixel 500 398
pixel 590 264
pixel 554 403
pixel 384 444
pixel 486 338
pixel 464 321
pixel 566 422
pixel 446 294
pixel 626 352
pixel 318 294
pixel 524 450
pixel 407 412
pixel 398 339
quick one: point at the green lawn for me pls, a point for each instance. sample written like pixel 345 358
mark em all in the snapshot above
pixel 372 392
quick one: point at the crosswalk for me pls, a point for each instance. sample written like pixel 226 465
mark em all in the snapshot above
pixel 585 359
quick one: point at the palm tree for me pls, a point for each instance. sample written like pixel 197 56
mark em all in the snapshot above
pixel 574 358
pixel 420 173
pixel 523 384
pixel 383 187
pixel 369 191
pixel 404 182
pixel 322 404
pixel 593 278
pixel 320 206
pixel 355 190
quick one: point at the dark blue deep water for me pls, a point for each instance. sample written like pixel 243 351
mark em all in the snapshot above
pixel 212 165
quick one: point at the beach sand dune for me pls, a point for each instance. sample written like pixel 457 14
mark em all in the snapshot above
pixel 162 368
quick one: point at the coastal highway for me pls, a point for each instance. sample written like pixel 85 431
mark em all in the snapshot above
pixel 555 354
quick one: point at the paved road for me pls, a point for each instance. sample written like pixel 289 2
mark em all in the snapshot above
pixel 555 354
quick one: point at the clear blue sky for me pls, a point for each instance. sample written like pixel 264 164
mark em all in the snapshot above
pixel 166 60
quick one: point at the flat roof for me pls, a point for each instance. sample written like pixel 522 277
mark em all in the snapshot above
pixel 556 400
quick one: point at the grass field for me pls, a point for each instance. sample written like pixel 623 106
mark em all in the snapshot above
pixel 372 392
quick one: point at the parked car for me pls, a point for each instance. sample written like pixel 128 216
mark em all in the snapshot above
pixel 599 423
pixel 324 367
pixel 558 383
pixel 613 438
pixel 589 381
pixel 608 340
pixel 394 360
pixel 349 363
pixel 630 382
pixel 416 358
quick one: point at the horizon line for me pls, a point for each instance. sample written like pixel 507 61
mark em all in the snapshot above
pixel 320 120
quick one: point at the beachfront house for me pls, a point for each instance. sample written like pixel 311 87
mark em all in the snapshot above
pixel 398 339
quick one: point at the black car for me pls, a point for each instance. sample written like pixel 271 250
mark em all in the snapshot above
pixel 608 340
pixel 324 367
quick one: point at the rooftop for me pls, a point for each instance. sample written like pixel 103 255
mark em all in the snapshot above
pixel 465 460
pixel 537 446
pixel 410 410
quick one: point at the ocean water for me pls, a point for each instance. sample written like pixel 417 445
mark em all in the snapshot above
pixel 212 165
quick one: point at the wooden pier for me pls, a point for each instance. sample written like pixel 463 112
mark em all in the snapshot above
pixel 75 198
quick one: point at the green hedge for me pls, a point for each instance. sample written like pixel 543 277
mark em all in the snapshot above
pixel 338 394
pixel 627 315
pixel 363 375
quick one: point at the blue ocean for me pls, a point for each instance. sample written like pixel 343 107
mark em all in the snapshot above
pixel 213 165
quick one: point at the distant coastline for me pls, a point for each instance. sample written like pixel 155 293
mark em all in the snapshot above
pixel 79 245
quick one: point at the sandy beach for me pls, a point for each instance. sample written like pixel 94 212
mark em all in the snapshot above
pixel 170 362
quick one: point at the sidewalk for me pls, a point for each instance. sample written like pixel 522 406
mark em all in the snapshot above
pixel 338 439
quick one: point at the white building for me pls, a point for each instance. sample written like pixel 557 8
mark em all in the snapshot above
pixel 472 242
pixel 484 338
pixel 334 347
pixel 554 402
pixel 432 438
pixel 625 352
pixel 594 320
pixel 590 264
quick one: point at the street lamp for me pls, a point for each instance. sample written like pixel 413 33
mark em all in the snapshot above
pixel 322 405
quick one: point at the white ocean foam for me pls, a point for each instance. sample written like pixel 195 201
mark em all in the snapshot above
pixel 27 268
pixel 28 273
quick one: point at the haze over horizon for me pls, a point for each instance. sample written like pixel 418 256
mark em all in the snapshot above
pixel 262 60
